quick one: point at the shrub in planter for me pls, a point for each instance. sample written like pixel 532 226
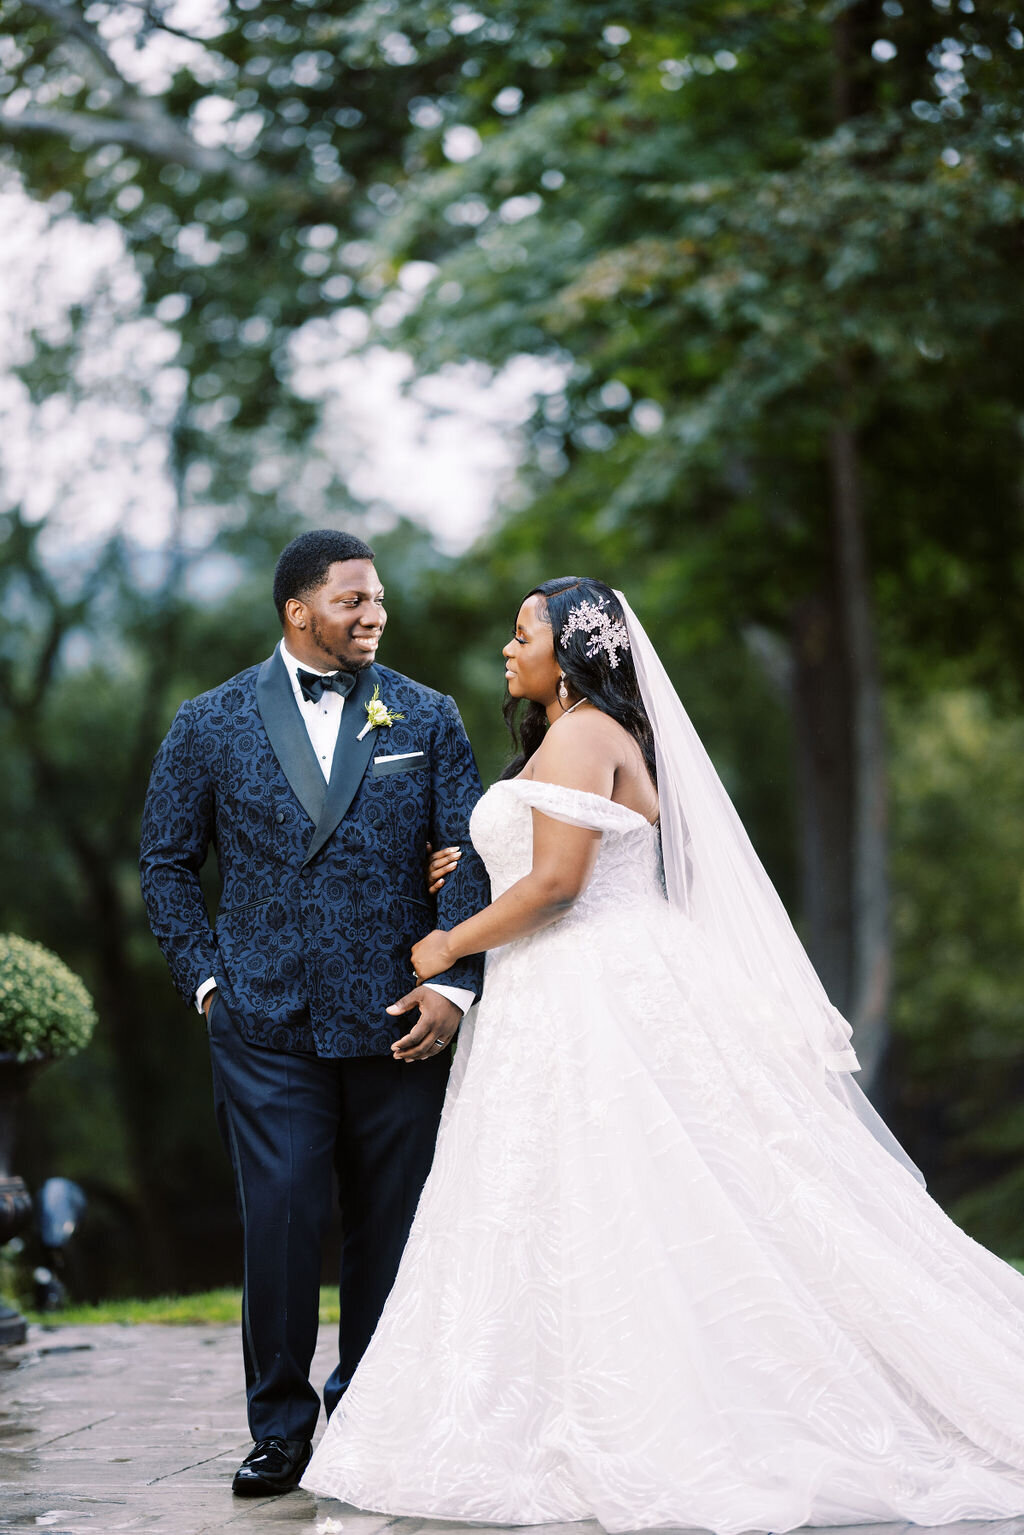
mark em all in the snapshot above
pixel 45 1010
pixel 45 1013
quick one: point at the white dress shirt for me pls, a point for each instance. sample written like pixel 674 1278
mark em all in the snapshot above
pixel 322 720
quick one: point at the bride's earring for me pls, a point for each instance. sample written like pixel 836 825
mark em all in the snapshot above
pixel 563 692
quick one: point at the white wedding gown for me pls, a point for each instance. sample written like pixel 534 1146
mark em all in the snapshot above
pixel 659 1274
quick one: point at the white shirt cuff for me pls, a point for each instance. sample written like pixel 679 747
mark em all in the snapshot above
pixel 462 997
pixel 204 991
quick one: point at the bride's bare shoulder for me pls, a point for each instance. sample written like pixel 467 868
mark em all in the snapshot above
pixel 582 750
pixel 589 729
pixel 589 750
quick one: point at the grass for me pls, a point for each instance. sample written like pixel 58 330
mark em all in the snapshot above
pixel 177 1310
pixel 167 1310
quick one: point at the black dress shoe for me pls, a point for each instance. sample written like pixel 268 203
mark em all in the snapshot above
pixel 272 1466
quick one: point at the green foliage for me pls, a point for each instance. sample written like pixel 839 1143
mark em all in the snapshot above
pixel 45 1009
pixel 725 269
pixel 957 1071
pixel 729 224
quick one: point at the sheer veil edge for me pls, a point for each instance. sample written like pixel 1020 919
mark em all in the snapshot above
pixel 713 874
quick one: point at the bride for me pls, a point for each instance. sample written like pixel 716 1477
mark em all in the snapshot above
pixel 669 1268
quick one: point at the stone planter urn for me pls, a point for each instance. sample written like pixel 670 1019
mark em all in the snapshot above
pixel 45 1014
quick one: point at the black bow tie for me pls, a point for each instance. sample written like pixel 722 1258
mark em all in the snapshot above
pixel 314 686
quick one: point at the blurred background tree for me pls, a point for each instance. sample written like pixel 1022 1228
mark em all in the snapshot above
pixel 764 261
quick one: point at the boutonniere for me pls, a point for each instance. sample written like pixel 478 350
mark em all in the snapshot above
pixel 377 714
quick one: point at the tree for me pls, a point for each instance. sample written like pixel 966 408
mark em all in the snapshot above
pixel 747 277
pixel 770 251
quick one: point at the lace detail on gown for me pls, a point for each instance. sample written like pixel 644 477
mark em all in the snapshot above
pixel 658 1276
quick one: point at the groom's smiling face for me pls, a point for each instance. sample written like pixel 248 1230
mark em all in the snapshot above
pixel 339 624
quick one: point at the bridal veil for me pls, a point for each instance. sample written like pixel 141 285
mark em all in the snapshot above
pixel 713 874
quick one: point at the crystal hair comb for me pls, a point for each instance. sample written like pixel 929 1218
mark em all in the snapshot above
pixel 604 632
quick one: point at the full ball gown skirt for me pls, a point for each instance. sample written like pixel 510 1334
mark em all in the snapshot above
pixel 660 1274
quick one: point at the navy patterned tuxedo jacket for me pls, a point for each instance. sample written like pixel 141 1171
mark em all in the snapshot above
pixel 323 884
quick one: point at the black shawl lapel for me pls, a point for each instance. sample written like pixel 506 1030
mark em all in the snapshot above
pixel 351 759
pixel 288 736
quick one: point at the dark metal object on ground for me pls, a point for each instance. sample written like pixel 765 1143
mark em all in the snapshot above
pixel 59 1207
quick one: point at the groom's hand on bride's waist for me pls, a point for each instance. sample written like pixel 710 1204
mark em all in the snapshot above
pixel 433 1030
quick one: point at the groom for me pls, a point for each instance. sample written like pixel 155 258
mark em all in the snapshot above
pixel 319 777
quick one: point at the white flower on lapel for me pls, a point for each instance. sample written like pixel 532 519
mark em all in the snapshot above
pixel 377 714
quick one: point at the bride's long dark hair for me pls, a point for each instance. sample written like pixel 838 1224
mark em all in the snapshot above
pixel 613 690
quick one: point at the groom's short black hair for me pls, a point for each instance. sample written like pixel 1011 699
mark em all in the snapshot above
pixel 304 563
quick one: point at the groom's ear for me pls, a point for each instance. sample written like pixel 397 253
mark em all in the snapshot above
pixel 294 615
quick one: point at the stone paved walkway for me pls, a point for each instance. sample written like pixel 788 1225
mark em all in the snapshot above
pixel 106 1429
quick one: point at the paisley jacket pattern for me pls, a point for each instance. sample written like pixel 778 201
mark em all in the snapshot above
pixel 323 888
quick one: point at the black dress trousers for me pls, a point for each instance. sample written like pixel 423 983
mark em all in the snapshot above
pixel 287 1121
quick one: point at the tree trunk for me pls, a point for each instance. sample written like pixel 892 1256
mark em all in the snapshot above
pixel 841 764
pixel 855 79
pixel 871 967
pixel 137 1084
pixel 841 774
pixel 824 779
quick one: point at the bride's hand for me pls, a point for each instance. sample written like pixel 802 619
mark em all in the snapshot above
pixel 432 955
pixel 439 865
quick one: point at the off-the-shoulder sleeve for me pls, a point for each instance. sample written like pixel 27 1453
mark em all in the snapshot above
pixel 577 806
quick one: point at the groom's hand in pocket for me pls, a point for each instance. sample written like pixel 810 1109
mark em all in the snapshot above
pixel 434 1028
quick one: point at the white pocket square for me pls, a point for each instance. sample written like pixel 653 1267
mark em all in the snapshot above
pixel 398 756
